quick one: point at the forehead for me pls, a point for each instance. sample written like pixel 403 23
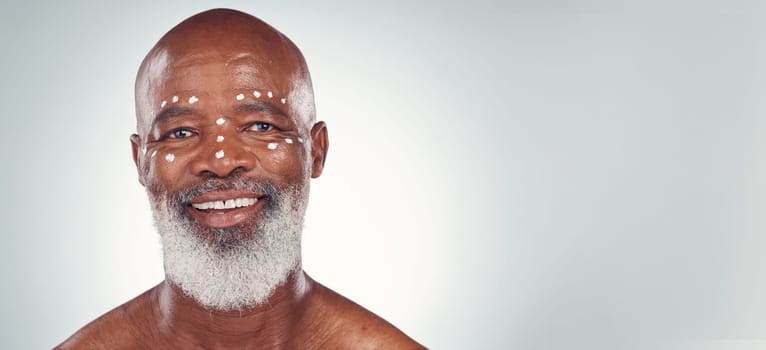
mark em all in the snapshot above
pixel 218 75
pixel 241 67
pixel 214 72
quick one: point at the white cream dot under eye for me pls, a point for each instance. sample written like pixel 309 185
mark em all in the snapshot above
pixel 193 99
pixel 154 153
pixel 270 94
pixel 170 157
pixel 240 97
pixel 162 105
pixel 220 121
pixel 219 138
pixel 175 99
pixel 272 145
pixel 256 93
pixel 284 100
pixel 300 140
pixel 289 140
pixel 219 154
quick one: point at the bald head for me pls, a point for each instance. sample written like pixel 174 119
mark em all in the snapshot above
pixel 221 53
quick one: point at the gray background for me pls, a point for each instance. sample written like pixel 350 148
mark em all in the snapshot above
pixel 502 175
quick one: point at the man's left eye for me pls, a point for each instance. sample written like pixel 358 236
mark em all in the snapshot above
pixel 180 134
pixel 261 127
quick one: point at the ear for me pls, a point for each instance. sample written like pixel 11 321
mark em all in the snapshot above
pixel 135 143
pixel 319 145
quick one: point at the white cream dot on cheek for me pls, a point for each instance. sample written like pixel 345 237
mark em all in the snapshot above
pixel 219 138
pixel 256 93
pixel 272 145
pixel 220 121
pixel 289 140
pixel 300 140
pixel 270 94
pixel 170 157
pixel 240 97
pixel 154 153
pixel 162 105
pixel 283 101
pixel 193 99
pixel 175 99
pixel 219 154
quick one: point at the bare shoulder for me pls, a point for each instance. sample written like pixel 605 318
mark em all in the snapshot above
pixel 120 328
pixel 350 326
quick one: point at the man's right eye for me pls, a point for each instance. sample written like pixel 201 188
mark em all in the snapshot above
pixel 180 134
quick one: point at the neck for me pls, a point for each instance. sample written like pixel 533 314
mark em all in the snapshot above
pixel 266 325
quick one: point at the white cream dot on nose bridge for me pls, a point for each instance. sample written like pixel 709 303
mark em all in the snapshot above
pixel 219 138
pixel 220 121
pixel 219 154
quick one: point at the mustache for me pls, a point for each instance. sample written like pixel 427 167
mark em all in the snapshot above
pixel 233 182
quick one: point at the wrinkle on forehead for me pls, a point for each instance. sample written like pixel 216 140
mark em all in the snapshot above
pixel 242 58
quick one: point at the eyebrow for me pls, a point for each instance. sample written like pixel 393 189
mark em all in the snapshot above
pixel 172 112
pixel 260 107
pixel 249 107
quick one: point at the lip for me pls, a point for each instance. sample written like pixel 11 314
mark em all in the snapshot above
pixel 222 218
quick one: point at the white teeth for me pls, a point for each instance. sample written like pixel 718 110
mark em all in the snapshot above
pixel 227 204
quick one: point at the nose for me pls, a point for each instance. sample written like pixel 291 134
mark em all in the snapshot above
pixel 223 158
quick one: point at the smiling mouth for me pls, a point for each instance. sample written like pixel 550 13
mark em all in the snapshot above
pixel 225 204
pixel 226 208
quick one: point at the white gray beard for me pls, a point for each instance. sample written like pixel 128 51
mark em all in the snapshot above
pixel 226 272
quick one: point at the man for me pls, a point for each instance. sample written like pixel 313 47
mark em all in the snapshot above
pixel 226 145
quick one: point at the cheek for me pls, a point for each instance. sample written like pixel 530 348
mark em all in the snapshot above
pixel 164 166
pixel 283 157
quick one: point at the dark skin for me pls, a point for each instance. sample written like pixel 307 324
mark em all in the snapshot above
pixel 216 63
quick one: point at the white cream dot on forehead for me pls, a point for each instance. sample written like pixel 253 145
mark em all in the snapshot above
pixel 170 157
pixel 289 140
pixel 162 105
pixel 240 97
pixel 283 100
pixel 193 99
pixel 219 138
pixel 270 94
pixel 256 93
pixel 175 99
pixel 220 121
pixel 219 154
pixel 272 145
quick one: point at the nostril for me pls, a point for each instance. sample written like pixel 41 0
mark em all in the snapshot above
pixel 207 174
pixel 238 170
